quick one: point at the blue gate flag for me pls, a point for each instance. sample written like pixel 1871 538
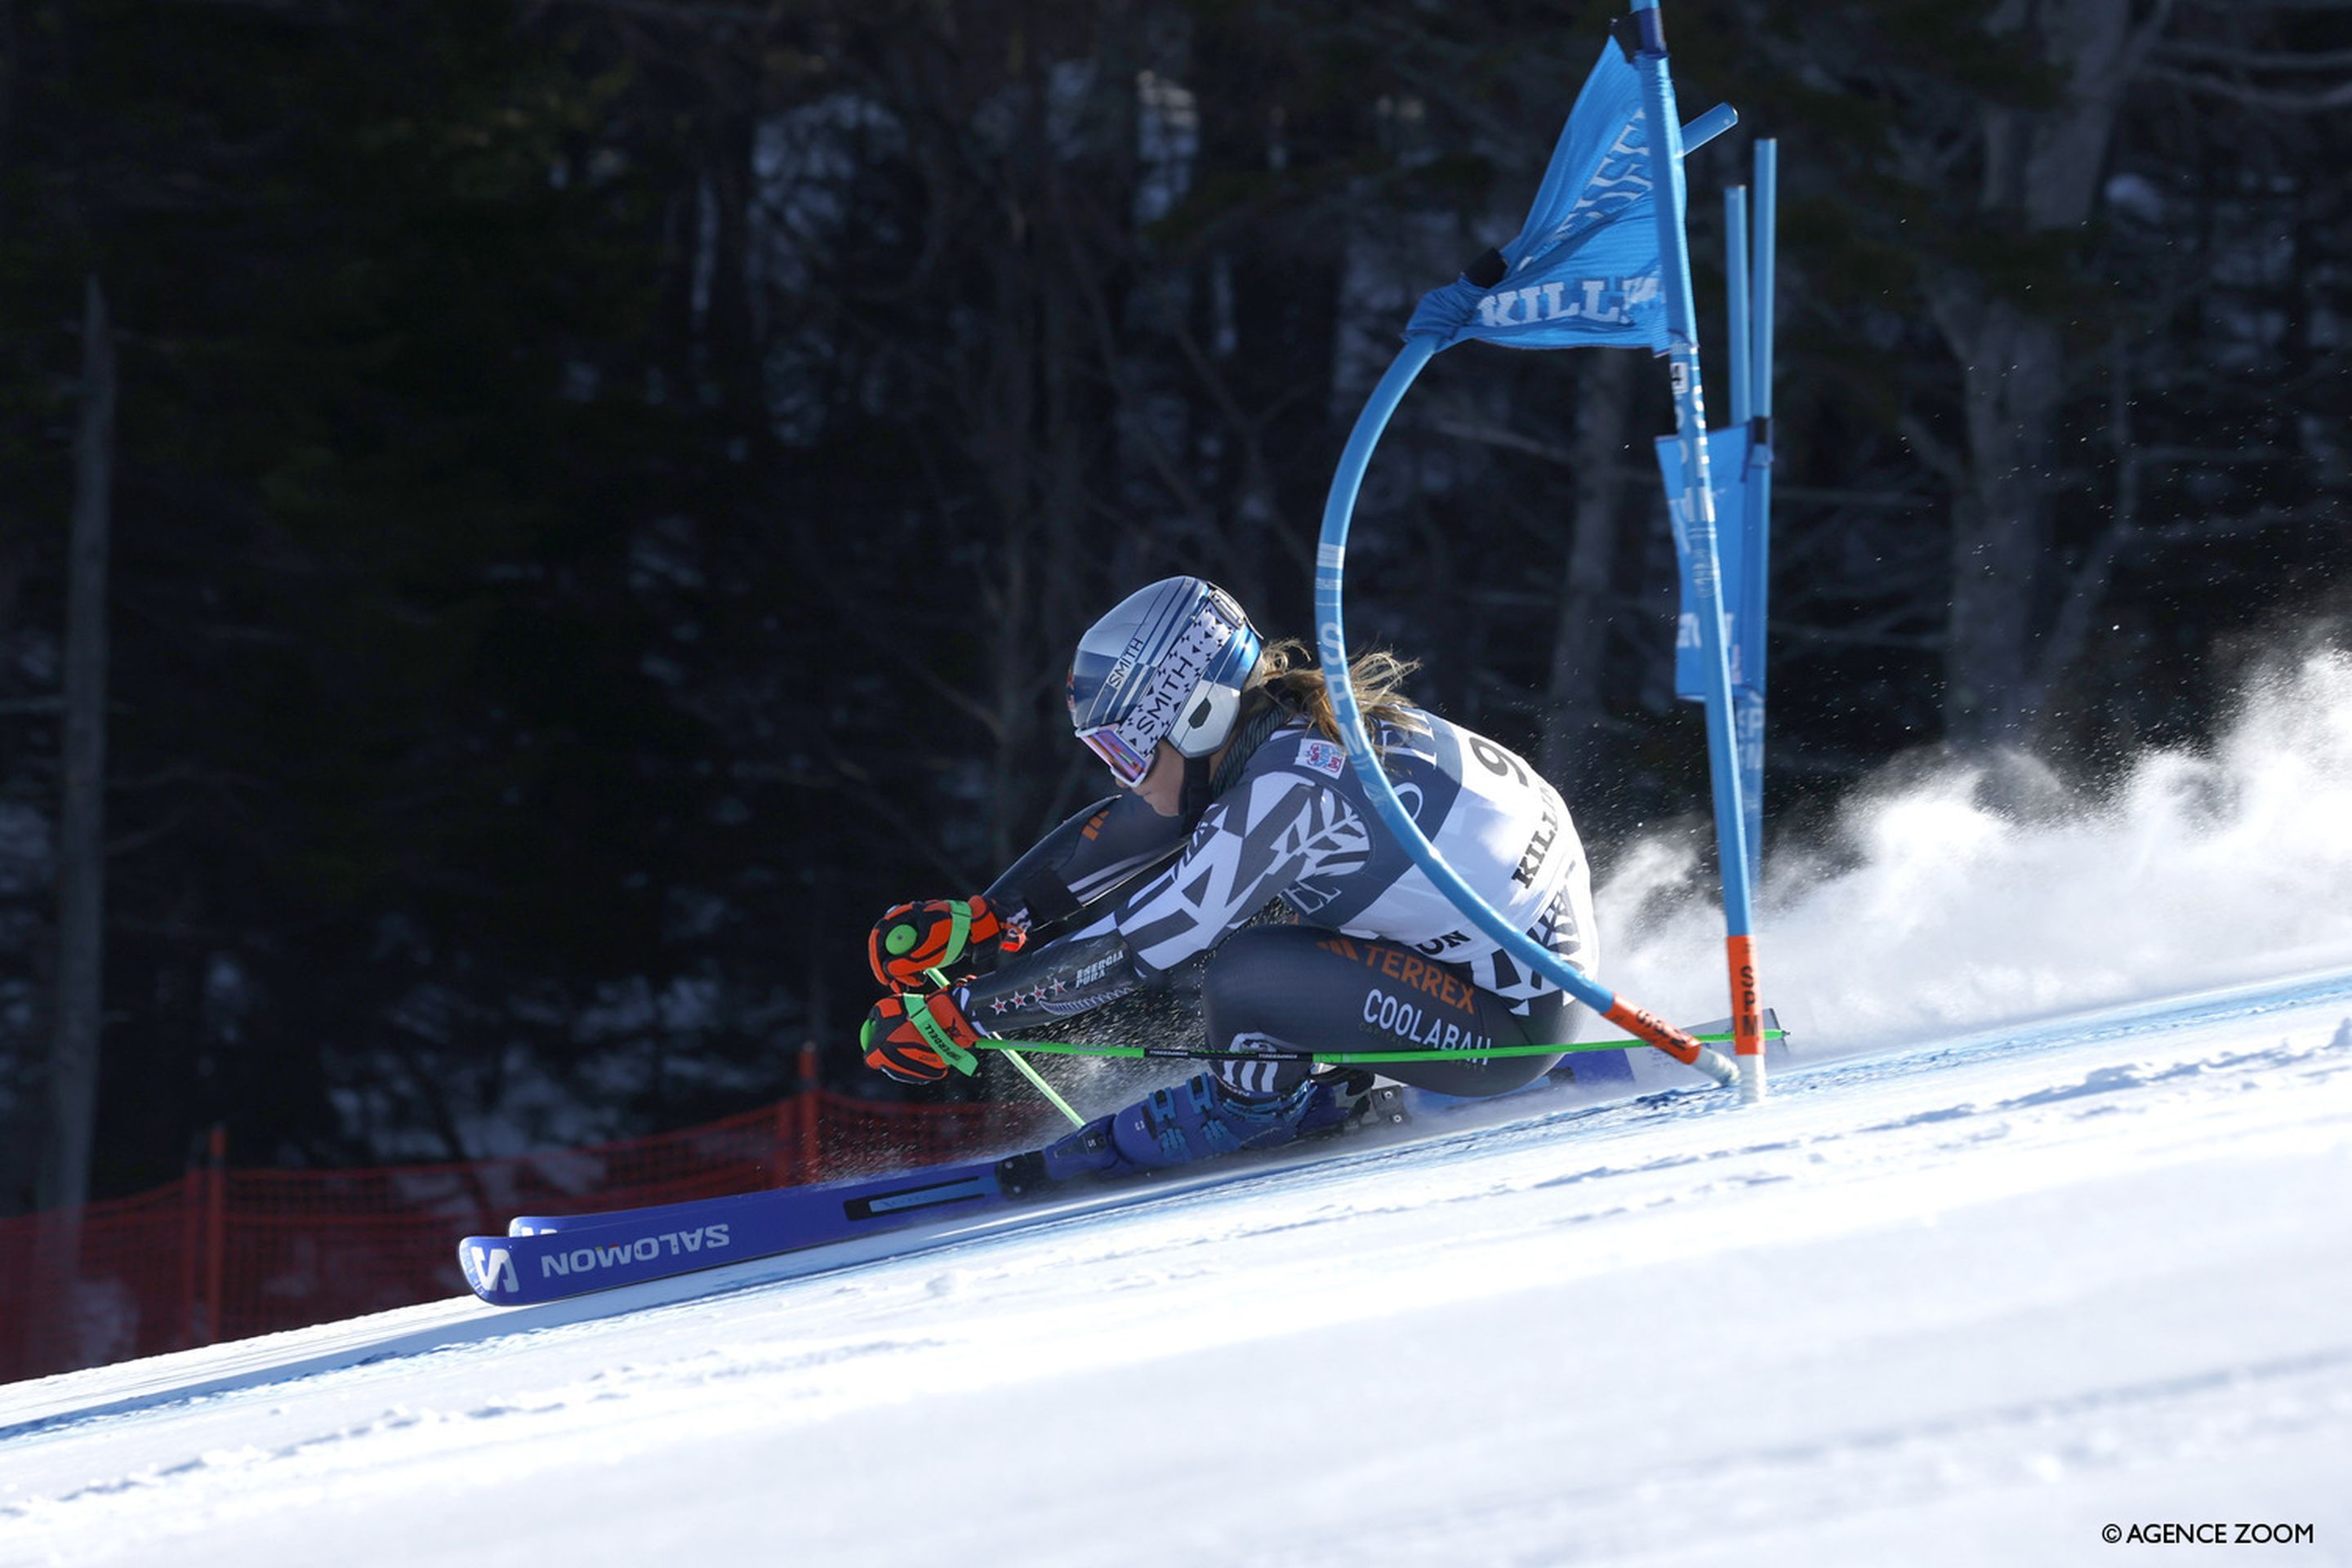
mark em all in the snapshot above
pixel 1738 540
pixel 1583 270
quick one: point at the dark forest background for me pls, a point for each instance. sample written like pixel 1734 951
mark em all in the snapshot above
pixel 601 493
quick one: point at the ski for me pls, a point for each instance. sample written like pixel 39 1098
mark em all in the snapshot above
pixel 546 1258
pixel 550 1224
pixel 549 1258
pixel 863 1203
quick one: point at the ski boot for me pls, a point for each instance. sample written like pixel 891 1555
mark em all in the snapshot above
pixel 1078 1158
pixel 1348 1098
pixel 1197 1119
pixel 1200 1118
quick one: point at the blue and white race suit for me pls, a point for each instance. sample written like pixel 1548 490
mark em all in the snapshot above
pixel 1379 958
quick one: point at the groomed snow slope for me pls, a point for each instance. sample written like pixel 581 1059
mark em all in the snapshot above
pixel 1967 1303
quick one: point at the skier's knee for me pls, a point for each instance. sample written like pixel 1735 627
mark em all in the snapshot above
pixel 1250 1002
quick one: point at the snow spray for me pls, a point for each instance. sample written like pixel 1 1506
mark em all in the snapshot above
pixel 1942 902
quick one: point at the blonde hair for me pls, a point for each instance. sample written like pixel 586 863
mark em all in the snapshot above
pixel 1288 670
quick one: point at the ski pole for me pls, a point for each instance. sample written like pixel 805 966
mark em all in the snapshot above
pixel 1209 1053
pixel 964 1062
pixel 1033 1075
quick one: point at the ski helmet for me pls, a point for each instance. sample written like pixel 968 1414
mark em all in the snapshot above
pixel 1168 664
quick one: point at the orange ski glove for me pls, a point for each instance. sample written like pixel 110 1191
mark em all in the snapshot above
pixel 917 1038
pixel 954 936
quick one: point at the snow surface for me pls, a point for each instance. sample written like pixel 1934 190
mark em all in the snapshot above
pixel 2032 1272
pixel 1970 1300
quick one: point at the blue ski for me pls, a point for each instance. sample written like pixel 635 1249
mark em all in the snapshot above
pixel 550 1224
pixel 568 1256
pixel 546 1257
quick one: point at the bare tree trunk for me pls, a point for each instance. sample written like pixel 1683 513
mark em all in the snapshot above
pixel 1009 385
pixel 64 1183
pixel 9 54
pixel 2069 633
pixel 2000 524
pixel 1580 644
pixel 2042 169
pixel 73 1064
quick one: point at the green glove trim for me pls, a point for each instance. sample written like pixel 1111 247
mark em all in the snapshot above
pixel 959 931
pixel 936 1036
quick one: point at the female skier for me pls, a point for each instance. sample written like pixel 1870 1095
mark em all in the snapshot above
pixel 1227 755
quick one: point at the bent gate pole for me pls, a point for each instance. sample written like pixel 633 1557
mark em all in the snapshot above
pixel 1331 642
pixel 1330 571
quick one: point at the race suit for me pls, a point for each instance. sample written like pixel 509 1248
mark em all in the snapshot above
pixel 1379 960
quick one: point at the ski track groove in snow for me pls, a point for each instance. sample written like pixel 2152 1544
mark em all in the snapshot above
pixel 1966 1301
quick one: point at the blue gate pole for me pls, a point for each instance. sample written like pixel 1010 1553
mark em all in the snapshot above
pixel 1735 283
pixel 1746 693
pixel 1697 512
pixel 1758 590
pixel 1331 645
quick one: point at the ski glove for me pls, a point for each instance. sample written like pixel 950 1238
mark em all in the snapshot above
pixel 954 936
pixel 917 1038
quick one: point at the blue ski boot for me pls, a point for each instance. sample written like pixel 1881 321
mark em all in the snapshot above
pixel 1086 1152
pixel 1201 1118
pixel 1197 1121
pixel 1347 1099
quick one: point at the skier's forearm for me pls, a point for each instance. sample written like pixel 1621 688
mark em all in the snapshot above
pixel 1062 979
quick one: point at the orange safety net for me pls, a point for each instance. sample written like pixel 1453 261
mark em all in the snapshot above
pixel 225 1254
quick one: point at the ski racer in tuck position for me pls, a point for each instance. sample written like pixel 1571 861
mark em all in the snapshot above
pixel 1227 755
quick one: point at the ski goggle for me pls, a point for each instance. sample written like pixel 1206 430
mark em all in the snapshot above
pixel 1106 742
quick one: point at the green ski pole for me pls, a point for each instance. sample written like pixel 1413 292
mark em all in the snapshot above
pixel 964 1062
